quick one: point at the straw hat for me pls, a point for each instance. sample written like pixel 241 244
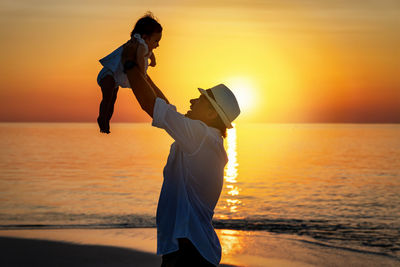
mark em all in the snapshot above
pixel 224 102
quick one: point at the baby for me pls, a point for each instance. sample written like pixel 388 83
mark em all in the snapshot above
pixel 147 34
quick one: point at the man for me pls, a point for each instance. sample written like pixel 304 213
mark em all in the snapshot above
pixel 193 175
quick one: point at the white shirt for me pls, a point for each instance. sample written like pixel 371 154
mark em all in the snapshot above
pixel 193 179
pixel 113 63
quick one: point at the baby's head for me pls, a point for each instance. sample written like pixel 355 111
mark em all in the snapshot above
pixel 149 29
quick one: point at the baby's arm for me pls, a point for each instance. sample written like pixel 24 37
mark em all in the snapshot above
pixel 152 60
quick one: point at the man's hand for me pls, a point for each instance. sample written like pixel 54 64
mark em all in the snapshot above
pixel 129 52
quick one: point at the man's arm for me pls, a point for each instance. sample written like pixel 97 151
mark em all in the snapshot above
pixel 157 90
pixel 142 90
pixel 142 86
pixel 140 59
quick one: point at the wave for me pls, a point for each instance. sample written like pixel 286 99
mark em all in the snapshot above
pixel 383 239
pixel 350 249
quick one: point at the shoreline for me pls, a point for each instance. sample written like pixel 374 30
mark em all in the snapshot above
pixel 137 247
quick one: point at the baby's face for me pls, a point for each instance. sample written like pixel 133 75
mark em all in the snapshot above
pixel 153 40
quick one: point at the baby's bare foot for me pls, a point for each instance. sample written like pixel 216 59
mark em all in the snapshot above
pixel 103 126
pixel 107 127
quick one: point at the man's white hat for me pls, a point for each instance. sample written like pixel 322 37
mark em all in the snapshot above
pixel 224 102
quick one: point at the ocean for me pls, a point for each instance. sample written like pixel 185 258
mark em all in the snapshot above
pixel 332 184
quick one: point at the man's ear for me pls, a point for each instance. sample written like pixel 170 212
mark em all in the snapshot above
pixel 212 114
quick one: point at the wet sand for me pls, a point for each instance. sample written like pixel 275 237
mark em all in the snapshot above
pixel 33 252
pixel 137 247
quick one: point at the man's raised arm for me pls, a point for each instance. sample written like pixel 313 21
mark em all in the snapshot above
pixel 157 90
pixel 142 90
pixel 143 87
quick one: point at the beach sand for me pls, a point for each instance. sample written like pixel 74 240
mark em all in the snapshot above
pixel 33 252
pixel 137 247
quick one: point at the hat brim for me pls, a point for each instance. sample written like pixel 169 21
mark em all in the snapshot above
pixel 217 108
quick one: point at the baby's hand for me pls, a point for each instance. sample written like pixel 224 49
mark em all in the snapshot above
pixel 152 60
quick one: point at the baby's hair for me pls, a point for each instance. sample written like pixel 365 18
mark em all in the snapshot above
pixel 147 25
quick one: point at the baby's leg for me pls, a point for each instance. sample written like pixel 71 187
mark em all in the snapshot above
pixel 111 105
pixel 107 85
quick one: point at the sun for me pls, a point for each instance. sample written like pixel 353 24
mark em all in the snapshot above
pixel 243 88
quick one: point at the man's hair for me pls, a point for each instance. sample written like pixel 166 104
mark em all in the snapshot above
pixel 220 126
pixel 217 123
pixel 147 25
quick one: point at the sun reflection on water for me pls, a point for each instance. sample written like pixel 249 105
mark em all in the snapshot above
pixel 231 172
pixel 230 242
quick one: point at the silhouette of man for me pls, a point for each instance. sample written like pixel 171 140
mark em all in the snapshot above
pixel 193 175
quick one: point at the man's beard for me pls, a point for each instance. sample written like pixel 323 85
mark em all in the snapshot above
pixel 188 113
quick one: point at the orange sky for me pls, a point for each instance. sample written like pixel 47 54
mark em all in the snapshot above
pixel 287 60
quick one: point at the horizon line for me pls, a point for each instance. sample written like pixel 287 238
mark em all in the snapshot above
pixel 250 122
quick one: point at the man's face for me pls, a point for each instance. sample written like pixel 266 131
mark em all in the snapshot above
pixel 201 109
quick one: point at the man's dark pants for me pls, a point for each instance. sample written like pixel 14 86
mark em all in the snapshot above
pixel 187 255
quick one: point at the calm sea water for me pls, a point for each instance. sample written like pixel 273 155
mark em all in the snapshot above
pixel 335 184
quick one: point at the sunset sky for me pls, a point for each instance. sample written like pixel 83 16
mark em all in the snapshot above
pixel 286 60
